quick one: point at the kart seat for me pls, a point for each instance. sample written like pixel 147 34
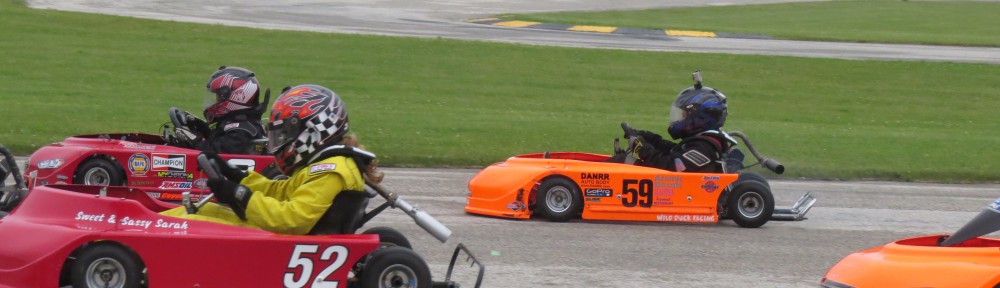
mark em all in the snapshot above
pixel 344 216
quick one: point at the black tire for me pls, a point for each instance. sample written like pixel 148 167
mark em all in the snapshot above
pixel 106 266
pixel 98 171
pixel 752 176
pixel 559 199
pixel 750 204
pixel 390 237
pixel 395 267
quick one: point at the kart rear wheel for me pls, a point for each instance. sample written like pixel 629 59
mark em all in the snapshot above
pixel 559 199
pixel 98 171
pixel 745 176
pixel 106 266
pixel 395 267
pixel 750 204
pixel 390 237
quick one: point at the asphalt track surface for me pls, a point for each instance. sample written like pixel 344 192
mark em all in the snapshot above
pixel 848 217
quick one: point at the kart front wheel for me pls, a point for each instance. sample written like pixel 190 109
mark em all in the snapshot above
pixel 98 171
pixel 395 267
pixel 559 199
pixel 750 204
pixel 106 266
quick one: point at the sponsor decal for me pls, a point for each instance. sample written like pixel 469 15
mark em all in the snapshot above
pixel 593 199
pixel 170 196
pixel 141 183
pixel 153 194
pixel 663 189
pixel 515 206
pixel 138 164
pixel 597 193
pixel 175 174
pixel 168 162
pixel 136 146
pixel 710 186
pixel 50 163
pixel 201 183
pixel 321 167
pixel 591 179
pixel 131 222
pixel 231 126
pixel 710 178
pixel 175 185
pixel 685 218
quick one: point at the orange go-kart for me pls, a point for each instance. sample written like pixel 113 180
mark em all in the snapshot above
pixel 964 259
pixel 562 185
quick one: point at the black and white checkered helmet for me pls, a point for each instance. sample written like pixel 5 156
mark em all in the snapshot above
pixel 304 120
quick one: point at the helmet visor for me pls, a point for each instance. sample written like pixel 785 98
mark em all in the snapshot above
pixel 280 133
pixel 677 114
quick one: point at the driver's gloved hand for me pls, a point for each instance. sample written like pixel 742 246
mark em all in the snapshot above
pixel 228 170
pixel 184 136
pixel 648 136
pixel 643 150
pixel 197 124
pixel 231 193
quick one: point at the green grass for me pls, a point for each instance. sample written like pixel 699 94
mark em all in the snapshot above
pixel 432 102
pixel 890 21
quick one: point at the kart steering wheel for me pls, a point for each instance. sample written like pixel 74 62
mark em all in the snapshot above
pixel 634 141
pixel 177 117
pixel 213 172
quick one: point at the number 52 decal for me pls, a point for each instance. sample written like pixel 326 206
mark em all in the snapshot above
pixel 299 259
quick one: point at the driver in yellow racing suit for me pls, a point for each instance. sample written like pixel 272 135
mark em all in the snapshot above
pixel 307 135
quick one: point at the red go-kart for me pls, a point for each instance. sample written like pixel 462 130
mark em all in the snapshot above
pixel 101 236
pixel 152 163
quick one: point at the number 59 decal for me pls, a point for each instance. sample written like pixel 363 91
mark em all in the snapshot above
pixel 299 259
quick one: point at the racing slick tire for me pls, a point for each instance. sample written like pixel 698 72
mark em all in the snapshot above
pixel 559 199
pixel 106 266
pixel 750 204
pixel 395 267
pixel 98 171
pixel 390 237
pixel 747 176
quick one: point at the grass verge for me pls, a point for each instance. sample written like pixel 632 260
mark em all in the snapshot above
pixel 964 23
pixel 445 103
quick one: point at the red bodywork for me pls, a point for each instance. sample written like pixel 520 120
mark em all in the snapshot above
pixel 39 238
pixel 611 191
pixel 145 162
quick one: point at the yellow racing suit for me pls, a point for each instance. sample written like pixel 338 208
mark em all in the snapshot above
pixel 290 206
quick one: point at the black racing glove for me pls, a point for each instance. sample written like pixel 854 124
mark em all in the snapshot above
pixel 230 193
pixel 228 170
pixel 195 123
pixel 643 150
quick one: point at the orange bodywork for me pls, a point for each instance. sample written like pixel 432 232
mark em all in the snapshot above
pixel 611 191
pixel 919 262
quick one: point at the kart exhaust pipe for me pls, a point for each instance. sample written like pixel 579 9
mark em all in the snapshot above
pixel 424 220
pixel 768 163
pixel 798 210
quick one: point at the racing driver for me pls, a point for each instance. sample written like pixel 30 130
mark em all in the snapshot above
pixel 696 117
pixel 308 136
pixel 231 107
